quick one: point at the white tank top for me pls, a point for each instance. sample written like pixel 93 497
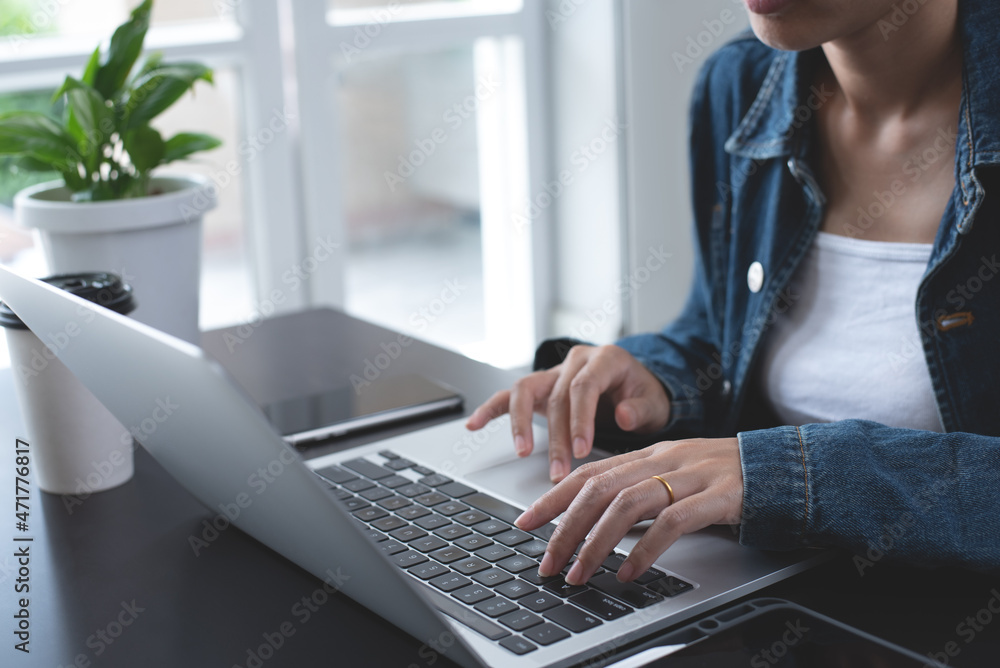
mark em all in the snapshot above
pixel 848 346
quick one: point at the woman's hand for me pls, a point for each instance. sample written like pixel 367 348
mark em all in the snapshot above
pixel 568 396
pixel 604 499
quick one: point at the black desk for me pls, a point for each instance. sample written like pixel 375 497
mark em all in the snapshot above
pixel 115 582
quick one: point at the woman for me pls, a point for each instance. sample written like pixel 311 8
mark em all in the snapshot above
pixel 847 229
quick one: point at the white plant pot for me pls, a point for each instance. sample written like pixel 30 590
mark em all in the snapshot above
pixel 153 243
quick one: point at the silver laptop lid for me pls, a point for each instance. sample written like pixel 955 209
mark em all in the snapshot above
pixel 215 443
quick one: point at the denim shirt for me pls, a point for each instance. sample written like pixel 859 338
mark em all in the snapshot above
pixel 882 492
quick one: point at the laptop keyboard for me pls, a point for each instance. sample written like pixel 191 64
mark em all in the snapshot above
pixel 481 570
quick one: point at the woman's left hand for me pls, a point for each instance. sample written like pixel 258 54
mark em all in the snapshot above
pixel 604 499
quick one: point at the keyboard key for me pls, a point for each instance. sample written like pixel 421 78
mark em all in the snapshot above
pixel 534 578
pixel 434 480
pixel 375 493
pixel 413 512
pixel 375 536
pixel 342 495
pixel 472 594
pixel 633 594
pixel 408 558
pixel 518 563
pixel 518 645
pixel 367 469
pixel 544 532
pixel 452 531
pixel 423 470
pixel 451 508
pixel 670 586
pixel 336 475
pixel 359 485
pixel 428 544
pixel 413 489
pixel 546 634
pixel 446 555
pixel 651 575
pixel 560 587
pixel 428 570
pixel 512 538
pixel 572 618
pixel 406 534
pixel 389 523
pixel 540 602
pixel 398 464
pixel 494 553
pixel 467 616
pixel 432 522
pixel 432 499
pixel 496 606
pixel 394 502
pixel 394 481
pixel 491 527
pixel 450 582
pixel 389 454
pixel 470 565
pixel 456 490
pixel 354 503
pixel 614 562
pixel 516 589
pixel 470 517
pixel 493 506
pixel 370 514
pixel 392 547
pixel 601 604
pixel 520 620
pixel 473 542
pixel 492 577
pixel 535 548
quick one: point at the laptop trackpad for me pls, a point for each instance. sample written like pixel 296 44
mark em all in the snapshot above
pixel 522 480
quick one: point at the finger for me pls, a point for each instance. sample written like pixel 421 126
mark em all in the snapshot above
pixel 490 409
pixel 597 375
pixel 551 504
pixel 528 394
pixel 558 418
pixel 642 501
pixel 687 515
pixel 641 414
pixel 586 509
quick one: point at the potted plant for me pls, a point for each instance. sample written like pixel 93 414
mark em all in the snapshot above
pixel 109 213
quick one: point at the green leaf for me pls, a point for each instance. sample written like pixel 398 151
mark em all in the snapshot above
pixel 145 147
pixel 154 92
pixel 36 136
pixel 90 71
pixel 184 144
pixel 91 120
pixel 126 45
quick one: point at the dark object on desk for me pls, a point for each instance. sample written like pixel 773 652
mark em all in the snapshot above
pixel 774 633
pixel 335 413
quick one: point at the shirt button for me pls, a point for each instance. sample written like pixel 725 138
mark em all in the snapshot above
pixel 727 387
pixel 755 277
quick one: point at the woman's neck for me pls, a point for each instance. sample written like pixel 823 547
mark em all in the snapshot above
pixel 895 66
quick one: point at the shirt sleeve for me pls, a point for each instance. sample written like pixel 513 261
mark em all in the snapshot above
pixel 881 492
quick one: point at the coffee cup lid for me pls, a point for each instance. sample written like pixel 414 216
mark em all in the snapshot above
pixel 102 288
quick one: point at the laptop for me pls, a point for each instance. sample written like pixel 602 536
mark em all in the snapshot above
pixel 417 528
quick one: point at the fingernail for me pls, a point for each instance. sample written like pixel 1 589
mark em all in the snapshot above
pixel 525 518
pixel 558 470
pixel 625 572
pixel 575 575
pixel 520 445
pixel 545 567
pixel 579 447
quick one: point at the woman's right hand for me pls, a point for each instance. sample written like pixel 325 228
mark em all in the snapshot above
pixel 568 395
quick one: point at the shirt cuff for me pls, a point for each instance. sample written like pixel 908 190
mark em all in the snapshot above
pixel 777 503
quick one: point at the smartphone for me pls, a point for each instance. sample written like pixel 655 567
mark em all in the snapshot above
pixel 318 417
pixel 769 633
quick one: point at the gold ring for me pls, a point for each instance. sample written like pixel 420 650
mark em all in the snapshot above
pixel 670 490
